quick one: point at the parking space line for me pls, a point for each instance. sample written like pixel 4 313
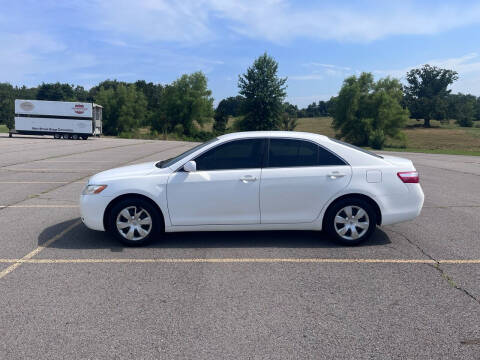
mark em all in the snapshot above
pixel 36 251
pixel 76 161
pixel 233 260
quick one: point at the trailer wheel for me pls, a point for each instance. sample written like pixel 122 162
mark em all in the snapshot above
pixel 65 136
pixel 84 137
pixel 75 137
pixel 57 136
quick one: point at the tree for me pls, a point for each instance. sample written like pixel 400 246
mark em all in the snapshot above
pixel 55 92
pixel 288 119
pixel 477 109
pixel 426 92
pixel 7 108
pixel 124 108
pixel 153 94
pixel 233 105
pixel 221 116
pixel 263 93
pixel 462 108
pixel 185 101
pixel 367 112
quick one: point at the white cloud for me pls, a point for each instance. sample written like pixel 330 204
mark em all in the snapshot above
pixel 278 21
pixel 321 71
pixel 306 77
pixel 467 66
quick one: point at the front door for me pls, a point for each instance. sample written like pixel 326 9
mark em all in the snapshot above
pixel 224 190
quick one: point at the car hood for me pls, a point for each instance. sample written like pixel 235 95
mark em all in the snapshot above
pixel 123 172
pixel 398 161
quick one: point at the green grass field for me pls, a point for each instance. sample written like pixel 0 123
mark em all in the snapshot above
pixel 439 139
pixel 3 129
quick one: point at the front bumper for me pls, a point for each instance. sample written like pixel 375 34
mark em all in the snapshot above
pixel 92 209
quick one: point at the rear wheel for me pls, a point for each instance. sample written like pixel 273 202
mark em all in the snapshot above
pixel 350 221
pixel 84 137
pixel 134 221
pixel 57 136
pixel 75 137
pixel 65 136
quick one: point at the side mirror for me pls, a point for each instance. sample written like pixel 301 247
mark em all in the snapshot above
pixel 190 166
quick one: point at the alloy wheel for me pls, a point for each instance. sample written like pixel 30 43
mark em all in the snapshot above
pixel 351 222
pixel 134 223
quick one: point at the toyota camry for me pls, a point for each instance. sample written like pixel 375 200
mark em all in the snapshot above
pixel 269 180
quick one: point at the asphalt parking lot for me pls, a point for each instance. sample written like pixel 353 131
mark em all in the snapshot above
pixel 412 291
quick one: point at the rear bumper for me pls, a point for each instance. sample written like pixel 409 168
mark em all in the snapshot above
pixel 92 209
pixel 402 207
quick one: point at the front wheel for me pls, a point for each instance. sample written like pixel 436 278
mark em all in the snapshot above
pixel 134 221
pixel 350 221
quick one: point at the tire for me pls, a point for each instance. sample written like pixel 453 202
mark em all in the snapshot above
pixel 57 136
pixel 84 137
pixel 65 136
pixel 74 137
pixel 348 229
pixel 134 207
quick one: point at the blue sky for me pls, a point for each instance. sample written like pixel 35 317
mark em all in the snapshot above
pixel 317 43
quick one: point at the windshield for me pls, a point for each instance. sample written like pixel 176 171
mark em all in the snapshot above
pixel 169 162
pixel 356 148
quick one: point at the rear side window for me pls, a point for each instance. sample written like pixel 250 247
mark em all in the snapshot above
pixel 291 153
pixel 238 154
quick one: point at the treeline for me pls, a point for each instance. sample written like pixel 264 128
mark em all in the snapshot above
pixel 365 112
pixel 463 108
pixel 175 107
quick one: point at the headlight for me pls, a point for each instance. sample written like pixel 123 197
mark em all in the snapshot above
pixel 93 189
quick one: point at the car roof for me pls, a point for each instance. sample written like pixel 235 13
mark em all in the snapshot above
pixel 273 134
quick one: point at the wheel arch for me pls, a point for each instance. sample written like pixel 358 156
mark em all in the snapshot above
pixel 106 213
pixel 364 197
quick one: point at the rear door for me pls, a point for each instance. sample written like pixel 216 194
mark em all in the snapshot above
pixel 299 178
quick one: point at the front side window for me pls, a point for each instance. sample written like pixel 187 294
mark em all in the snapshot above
pixel 291 153
pixel 169 162
pixel 238 154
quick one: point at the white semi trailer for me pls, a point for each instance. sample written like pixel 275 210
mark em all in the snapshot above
pixel 62 119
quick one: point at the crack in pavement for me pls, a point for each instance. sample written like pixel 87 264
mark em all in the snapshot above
pixel 437 266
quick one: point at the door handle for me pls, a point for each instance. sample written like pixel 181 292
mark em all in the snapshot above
pixel 336 175
pixel 247 178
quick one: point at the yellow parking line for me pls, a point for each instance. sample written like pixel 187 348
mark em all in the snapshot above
pixel 234 260
pixel 32 253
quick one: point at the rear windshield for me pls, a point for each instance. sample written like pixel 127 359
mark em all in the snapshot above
pixel 356 148
pixel 169 162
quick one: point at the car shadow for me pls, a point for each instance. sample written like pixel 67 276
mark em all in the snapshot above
pixel 80 237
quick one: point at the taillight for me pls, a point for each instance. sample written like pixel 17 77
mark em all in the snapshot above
pixel 409 177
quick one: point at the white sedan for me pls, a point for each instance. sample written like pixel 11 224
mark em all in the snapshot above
pixel 268 180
